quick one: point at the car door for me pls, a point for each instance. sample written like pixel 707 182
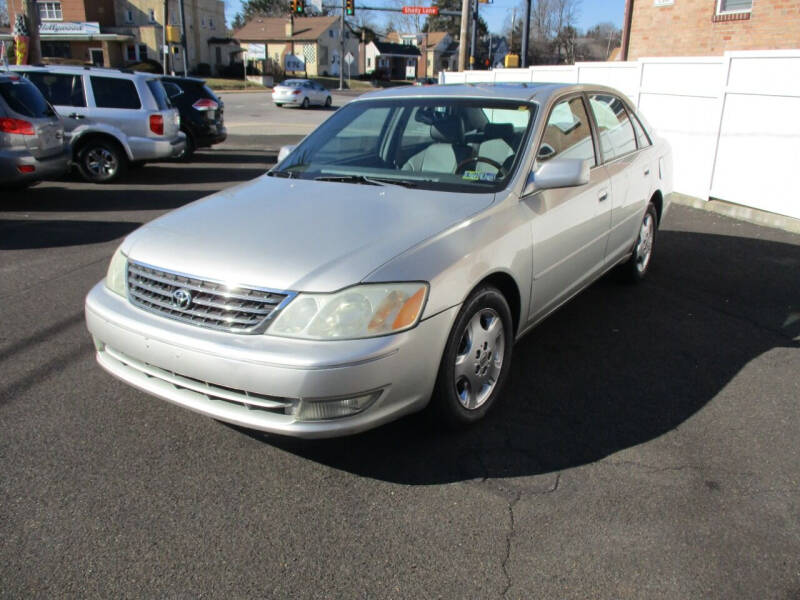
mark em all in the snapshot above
pixel 117 103
pixel 627 168
pixel 570 225
pixel 66 93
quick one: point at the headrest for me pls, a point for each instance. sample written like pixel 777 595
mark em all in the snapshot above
pixel 503 131
pixel 448 130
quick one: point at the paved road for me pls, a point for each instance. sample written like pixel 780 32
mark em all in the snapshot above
pixel 254 113
pixel 646 446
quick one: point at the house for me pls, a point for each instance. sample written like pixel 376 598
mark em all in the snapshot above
pixel 389 60
pixel 708 27
pixel 115 33
pixel 315 40
pixel 498 49
pixel 438 52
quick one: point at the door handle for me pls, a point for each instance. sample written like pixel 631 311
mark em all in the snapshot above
pixel 646 172
pixel 76 116
pixel 603 196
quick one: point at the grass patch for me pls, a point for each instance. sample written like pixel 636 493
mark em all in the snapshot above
pixel 218 83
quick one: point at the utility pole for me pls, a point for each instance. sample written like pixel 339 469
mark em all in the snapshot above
pixel 183 38
pixel 164 45
pixel 526 33
pixel 511 37
pixel 462 42
pixel 473 41
pixel 34 45
pixel 341 46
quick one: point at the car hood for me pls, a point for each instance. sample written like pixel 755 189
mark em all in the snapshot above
pixel 293 234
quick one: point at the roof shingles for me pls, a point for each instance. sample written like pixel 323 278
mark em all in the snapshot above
pixel 273 29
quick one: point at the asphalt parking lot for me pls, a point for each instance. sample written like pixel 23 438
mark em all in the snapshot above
pixel 646 446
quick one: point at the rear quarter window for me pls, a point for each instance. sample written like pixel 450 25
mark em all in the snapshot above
pixel 23 98
pixel 160 95
pixel 113 92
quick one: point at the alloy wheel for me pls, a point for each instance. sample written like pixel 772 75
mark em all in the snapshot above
pixel 644 249
pixel 479 358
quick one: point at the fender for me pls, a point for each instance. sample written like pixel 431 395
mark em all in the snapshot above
pixel 96 127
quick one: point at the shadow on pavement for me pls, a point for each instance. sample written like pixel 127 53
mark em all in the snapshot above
pixel 617 366
pixel 166 174
pixel 264 159
pixel 25 234
pixel 98 198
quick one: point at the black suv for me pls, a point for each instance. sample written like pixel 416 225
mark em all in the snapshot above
pixel 201 112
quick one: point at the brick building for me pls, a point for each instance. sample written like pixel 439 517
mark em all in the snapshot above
pixel 115 33
pixel 708 27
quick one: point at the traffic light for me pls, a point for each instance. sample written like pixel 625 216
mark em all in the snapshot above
pixel 350 7
pixel 298 7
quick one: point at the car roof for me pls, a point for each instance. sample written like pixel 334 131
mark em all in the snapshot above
pixel 537 92
pixel 180 78
pixel 80 70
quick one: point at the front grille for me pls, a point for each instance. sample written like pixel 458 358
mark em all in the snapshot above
pixel 201 302
pixel 205 390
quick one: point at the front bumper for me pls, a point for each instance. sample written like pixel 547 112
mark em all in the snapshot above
pixel 214 373
pixel 155 149
pixel 46 168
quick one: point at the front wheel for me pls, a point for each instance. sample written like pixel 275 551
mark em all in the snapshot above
pixel 476 359
pixel 638 264
pixel 101 161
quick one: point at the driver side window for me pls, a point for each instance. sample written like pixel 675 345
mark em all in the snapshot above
pixel 567 133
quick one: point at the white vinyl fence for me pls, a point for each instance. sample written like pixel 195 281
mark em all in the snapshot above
pixel 733 120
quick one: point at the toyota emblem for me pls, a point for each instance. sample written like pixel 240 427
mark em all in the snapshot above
pixel 181 298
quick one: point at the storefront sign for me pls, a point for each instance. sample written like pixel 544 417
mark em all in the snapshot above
pixel 70 28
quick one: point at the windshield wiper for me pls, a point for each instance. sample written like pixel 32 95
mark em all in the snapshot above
pixel 347 179
pixel 367 179
pixel 286 174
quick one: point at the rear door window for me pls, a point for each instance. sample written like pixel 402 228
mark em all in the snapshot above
pixel 23 98
pixel 613 125
pixel 641 135
pixel 112 92
pixel 60 89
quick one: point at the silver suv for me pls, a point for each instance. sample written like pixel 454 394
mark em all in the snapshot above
pixel 112 117
pixel 32 145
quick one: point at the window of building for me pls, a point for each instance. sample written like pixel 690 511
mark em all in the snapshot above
pixel 210 23
pixel 152 15
pixel 111 92
pixel 56 50
pixel 50 11
pixel 130 53
pixel 142 51
pixel 330 33
pixel 203 23
pixel 369 62
pixel 218 55
pixel 734 6
pixel 129 16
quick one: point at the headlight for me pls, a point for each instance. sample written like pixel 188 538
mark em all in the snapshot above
pixel 358 312
pixel 117 273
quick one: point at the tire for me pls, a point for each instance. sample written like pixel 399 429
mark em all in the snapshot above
pixel 188 149
pixel 305 103
pixel 101 161
pixel 328 102
pixel 636 267
pixel 477 353
pixel 278 104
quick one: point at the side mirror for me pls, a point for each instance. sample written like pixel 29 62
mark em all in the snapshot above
pixel 285 151
pixel 558 173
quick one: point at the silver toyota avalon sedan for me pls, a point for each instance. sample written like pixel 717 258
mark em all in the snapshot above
pixel 389 261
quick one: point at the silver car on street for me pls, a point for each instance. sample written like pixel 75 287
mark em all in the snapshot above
pixel 387 263
pixel 302 93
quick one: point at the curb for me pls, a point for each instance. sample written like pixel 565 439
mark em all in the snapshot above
pixel 742 213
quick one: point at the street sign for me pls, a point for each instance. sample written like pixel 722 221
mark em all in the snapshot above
pixel 348 58
pixel 420 10
pixel 294 63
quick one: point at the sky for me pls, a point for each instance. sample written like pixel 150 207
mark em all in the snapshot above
pixel 496 14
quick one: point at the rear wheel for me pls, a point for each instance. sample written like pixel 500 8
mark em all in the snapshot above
pixel 305 103
pixel 476 359
pixel 279 104
pixel 188 149
pixel 101 161
pixel 328 102
pixel 637 266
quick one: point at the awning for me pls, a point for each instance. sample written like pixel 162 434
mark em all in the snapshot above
pixel 60 37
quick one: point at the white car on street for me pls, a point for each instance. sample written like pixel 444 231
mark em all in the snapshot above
pixel 302 93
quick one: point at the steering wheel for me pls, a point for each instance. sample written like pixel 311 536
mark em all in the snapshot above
pixel 476 159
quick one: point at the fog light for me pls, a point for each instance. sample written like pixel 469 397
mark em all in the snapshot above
pixel 320 409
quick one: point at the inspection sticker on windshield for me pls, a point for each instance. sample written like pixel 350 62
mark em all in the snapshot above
pixel 471 175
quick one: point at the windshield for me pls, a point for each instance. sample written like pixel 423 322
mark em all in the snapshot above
pixel 293 82
pixel 444 144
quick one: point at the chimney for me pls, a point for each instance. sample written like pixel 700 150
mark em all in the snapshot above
pixel 289 28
